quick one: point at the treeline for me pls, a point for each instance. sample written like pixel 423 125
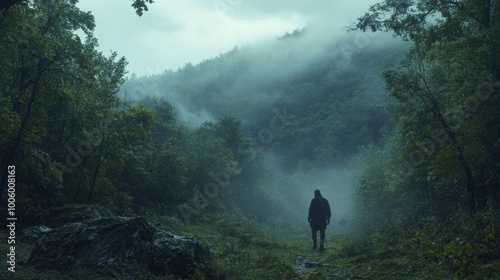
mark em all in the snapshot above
pixel 331 100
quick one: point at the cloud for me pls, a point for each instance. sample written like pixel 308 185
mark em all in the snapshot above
pixel 337 13
pixel 175 32
pixel 202 32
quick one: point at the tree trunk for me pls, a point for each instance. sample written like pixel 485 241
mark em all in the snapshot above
pixel 471 187
pixel 427 96
pixel 100 161
pixel 16 142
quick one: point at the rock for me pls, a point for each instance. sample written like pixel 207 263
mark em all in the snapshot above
pixel 122 244
pixel 33 234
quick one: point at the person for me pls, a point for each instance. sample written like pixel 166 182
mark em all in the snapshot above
pixel 319 218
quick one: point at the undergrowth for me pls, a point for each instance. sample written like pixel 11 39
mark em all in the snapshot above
pixel 455 247
pixel 242 248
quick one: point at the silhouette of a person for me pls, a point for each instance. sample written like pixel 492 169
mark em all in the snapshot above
pixel 319 218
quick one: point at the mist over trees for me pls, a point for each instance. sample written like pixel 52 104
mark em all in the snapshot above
pixel 272 112
pixel 443 96
pixel 400 134
pixel 306 108
pixel 336 86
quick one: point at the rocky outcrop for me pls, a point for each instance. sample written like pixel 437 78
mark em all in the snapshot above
pixel 63 215
pixel 122 244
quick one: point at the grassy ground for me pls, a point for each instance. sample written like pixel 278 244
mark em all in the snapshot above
pixel 244 250
pixel 349 257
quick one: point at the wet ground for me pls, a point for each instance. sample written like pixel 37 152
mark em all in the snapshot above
pixel 309 264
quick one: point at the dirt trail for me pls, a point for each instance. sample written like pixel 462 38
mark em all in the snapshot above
pixel 316 264
pixel 309 264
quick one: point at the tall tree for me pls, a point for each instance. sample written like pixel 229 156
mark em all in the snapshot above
pixel 40 53
pixel 451 71
pixel 59 103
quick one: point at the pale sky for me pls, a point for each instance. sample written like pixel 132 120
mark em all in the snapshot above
pixel 175 32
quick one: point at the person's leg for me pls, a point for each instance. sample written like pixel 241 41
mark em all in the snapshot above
pixel 314 237
pixel 322 239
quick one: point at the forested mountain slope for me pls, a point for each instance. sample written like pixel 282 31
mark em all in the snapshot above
pixel 305 105
pixel 331 90
pixel 401 136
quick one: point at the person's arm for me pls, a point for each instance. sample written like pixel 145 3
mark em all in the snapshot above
pixel 309 216
pixel 328 212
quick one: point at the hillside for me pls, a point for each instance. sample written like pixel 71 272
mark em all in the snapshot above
pixel 333 90
pixel 304 113
pixel 208 171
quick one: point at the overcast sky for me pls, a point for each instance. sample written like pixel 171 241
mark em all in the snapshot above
pixel 175 32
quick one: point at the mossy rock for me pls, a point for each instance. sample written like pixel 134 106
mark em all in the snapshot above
pixel 123 244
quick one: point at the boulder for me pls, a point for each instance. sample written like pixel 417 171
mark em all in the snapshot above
pixel 122 244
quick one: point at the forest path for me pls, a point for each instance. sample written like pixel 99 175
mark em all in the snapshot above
pixel 316 264
pixel 308 264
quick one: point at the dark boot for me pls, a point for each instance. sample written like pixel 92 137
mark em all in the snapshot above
pixel 322 239
pixel 314 237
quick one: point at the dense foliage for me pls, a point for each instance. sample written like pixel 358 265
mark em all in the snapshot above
pixel 63 126
pixel 440 169
pixel 444 97
pixel 242 139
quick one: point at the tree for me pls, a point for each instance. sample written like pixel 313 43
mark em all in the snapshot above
pixel 139 5
pixel 166 159
pixel 40 52
pixel 63 120
pixel 421 87
pixel 451 71
pixel 452 23
pixel 125 130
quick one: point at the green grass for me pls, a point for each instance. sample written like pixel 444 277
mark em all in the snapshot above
pixel 244 249
pixel 350 257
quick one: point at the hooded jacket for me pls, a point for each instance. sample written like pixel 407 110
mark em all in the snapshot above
pixel 319 211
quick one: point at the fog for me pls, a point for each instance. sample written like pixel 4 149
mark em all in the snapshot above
pixel 294 72
pixel 173 33
pixel 196 134
pixel 255 71
pixel 337 186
